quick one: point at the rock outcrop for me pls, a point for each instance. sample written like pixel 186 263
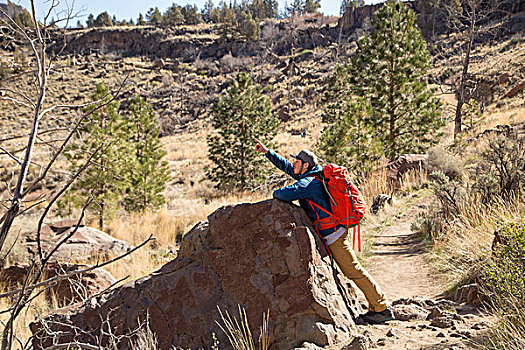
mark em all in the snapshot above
pixel 261 257
pixel 185 42
pixel 402 164
pixel 85 243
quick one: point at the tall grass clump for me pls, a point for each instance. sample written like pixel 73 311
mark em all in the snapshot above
pixel 145 339
pixel 504 282
pixel 239 334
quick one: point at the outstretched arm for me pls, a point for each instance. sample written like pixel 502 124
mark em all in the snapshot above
pixel 276 159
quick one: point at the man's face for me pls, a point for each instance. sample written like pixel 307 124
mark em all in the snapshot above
pixel 299 167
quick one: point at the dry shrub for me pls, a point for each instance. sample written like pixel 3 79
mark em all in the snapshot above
pixel 40 306
pixel 501 173
pixel 462 220
pixel 205 65
pixel 229 63
pixel 439 160
pixel 145 339
pixel 239 334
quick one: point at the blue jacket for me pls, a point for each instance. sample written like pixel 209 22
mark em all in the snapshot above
pixel 306 188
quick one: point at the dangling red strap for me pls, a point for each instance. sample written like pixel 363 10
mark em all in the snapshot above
pixel 353 240
pixel 359 236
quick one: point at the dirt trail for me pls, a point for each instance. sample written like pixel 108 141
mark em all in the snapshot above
pixel 400 265
pixel 399 262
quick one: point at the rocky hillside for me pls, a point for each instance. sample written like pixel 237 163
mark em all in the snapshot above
pixel 181 71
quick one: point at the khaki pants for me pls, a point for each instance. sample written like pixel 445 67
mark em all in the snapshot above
pixel 345 257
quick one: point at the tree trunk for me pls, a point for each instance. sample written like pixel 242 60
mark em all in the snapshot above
pixel 24 168
pixel 392 120
pixel 466 62
pixel 101 217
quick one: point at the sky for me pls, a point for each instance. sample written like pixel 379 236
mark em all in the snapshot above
pixel 126 9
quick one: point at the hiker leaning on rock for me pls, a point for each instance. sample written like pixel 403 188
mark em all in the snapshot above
pixel 303 169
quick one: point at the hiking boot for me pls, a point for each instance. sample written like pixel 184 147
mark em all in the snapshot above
pixel 372 317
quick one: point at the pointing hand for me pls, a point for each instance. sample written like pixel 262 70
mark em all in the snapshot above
pixel 259 147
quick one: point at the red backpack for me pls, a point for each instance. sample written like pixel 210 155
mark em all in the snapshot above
pixel 347 202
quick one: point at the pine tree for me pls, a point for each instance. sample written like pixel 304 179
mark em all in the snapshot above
pixel 103 20
pixel 173 16
pixel 257 9
pixel 271 8
pixel 154 16
pixel 90 23
pixel 104 180
pixel 347 139
pixel 296 8
pixel 207 11
pixel 191 14
pixel 248 27
pixel 140 20
pixel 390 73
pixel 241 114
pixel 311 6
pixel 149 174
pixel 228 20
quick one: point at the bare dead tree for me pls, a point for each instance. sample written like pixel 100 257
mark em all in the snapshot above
pixel 35 101
pixel 470 19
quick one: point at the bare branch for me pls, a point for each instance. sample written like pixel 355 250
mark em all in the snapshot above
pixel 55 198
pixel 11 248
pixel 19 94
pixel 14 100
pixel 64 240
pixel 107 289
pixel 31 207
pixel 74 344
pixel 10 155
pixel 9 138
pixel 50 109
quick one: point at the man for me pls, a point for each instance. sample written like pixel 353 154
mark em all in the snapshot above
pixel 307 188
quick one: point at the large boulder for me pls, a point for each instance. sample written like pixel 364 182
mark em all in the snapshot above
pixel 261 257
pixel 85 242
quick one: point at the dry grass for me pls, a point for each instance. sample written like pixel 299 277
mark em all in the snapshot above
pixel 186 147
pixel 413 180
pixel 239 333
pixel 466 244
pixel 375 184
pixel 40 306
pixel 507 116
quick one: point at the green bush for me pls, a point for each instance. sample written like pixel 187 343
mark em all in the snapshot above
pixel 505 274
pixel 504 281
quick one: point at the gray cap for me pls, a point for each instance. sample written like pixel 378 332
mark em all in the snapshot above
pixel 307 157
